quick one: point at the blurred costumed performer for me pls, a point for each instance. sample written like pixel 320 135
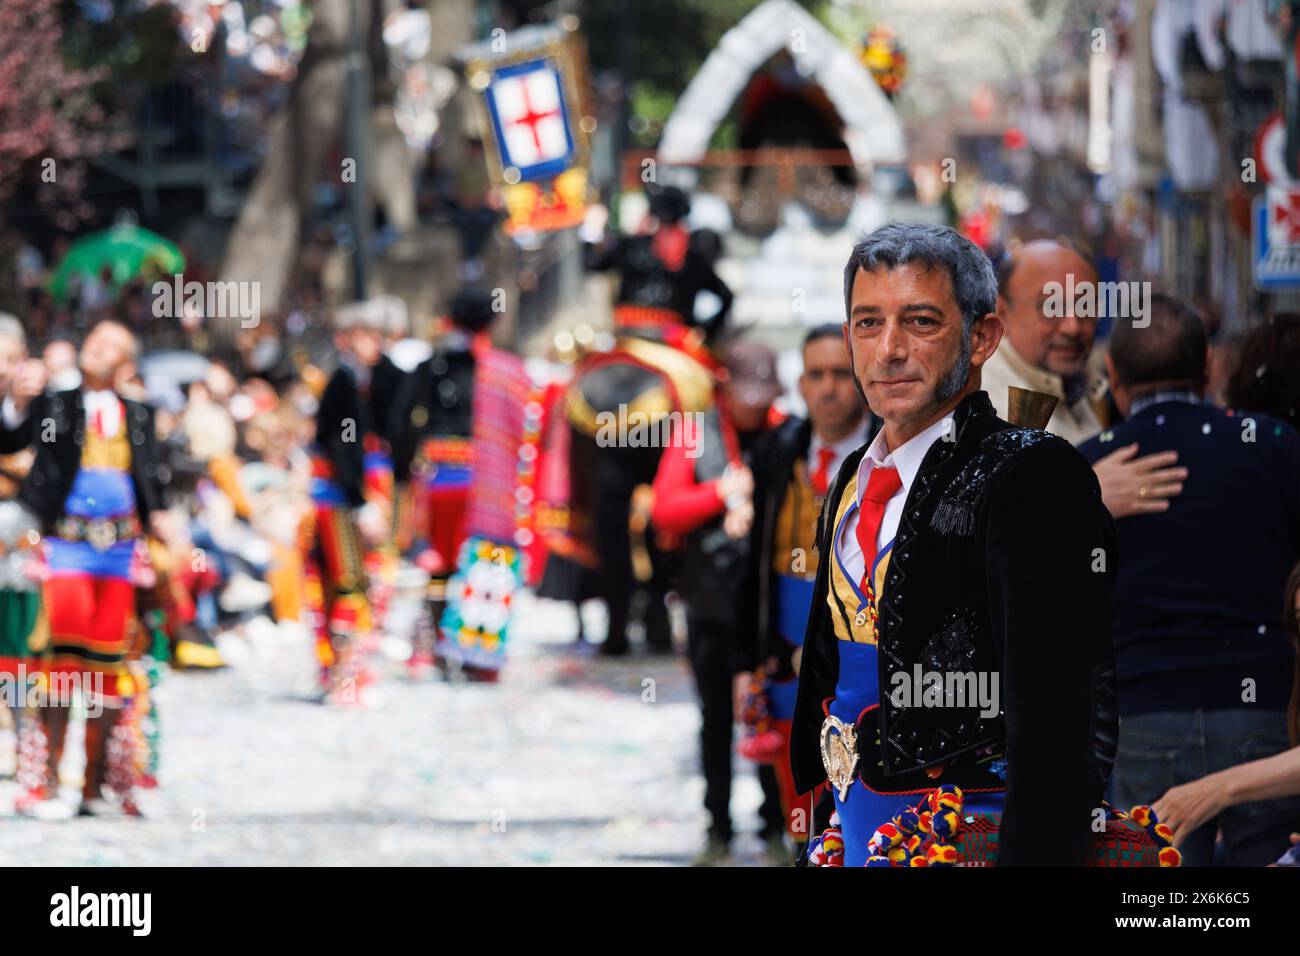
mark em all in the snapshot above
pixel 465 420
pixel 389 314
pixel 660 364
pixel 93 487
pixel 345 422
pixel 21 380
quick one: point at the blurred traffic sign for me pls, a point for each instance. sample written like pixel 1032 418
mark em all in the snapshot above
pixel 1270 151
pixel 1276 240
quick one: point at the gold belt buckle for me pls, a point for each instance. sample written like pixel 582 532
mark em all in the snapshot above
pixel 839 753
pixel 101 533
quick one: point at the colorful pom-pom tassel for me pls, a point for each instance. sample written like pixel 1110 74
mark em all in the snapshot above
pixel 886 837
pixel 948 797
pixel 941 854
pixel 945 824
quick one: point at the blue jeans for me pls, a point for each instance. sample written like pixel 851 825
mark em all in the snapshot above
pixel 1161 750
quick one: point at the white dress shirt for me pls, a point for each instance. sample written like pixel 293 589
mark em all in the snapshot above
pixel 109 407
pixel 12 417
pixel 839 451
pixel 1076 422
pixel 907 458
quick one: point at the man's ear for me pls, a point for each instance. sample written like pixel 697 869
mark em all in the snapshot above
pixel 1117 390
pixel 985 334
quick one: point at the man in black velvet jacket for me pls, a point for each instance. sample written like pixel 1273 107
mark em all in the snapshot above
pixel 994 562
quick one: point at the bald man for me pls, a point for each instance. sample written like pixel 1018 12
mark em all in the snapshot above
pixel 1045 353
pixel 1054 354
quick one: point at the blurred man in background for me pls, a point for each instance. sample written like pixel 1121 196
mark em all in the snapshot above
pixel 703 493
pixel 1204 668
pixel 1054 354
pixel 792 467
pixel 1047 353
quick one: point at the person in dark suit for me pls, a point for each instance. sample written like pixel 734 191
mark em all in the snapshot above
pixel 663 269
pixel 792 467
pixel 702 497
pixel 1204 665
pixel 960 548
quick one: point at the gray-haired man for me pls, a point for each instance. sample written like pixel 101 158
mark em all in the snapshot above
pixel 956 546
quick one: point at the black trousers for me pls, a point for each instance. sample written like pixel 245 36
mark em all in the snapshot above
pixel 712 648
pixel 617 472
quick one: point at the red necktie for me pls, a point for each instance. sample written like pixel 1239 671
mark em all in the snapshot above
pixel 881 486
pixel 821 475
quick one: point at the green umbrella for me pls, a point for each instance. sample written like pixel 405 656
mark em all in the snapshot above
pixel 127 249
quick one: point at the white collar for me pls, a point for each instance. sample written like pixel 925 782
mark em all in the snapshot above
pixel 108 406
pixel 907 457
pixel 102 396
pixel 842 448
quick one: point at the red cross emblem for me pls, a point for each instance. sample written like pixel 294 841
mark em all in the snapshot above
pixel 1284 218
pixel 532 122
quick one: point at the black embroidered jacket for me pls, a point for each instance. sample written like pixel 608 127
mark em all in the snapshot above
pixel 1003 565
pixel 342 422
pixel 55 427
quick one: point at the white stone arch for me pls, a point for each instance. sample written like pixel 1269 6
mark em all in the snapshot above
pixel 872 129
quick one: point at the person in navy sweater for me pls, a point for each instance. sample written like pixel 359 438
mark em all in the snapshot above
pixel 1204 669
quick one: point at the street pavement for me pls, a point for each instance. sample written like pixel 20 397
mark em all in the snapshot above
pixel 571 759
